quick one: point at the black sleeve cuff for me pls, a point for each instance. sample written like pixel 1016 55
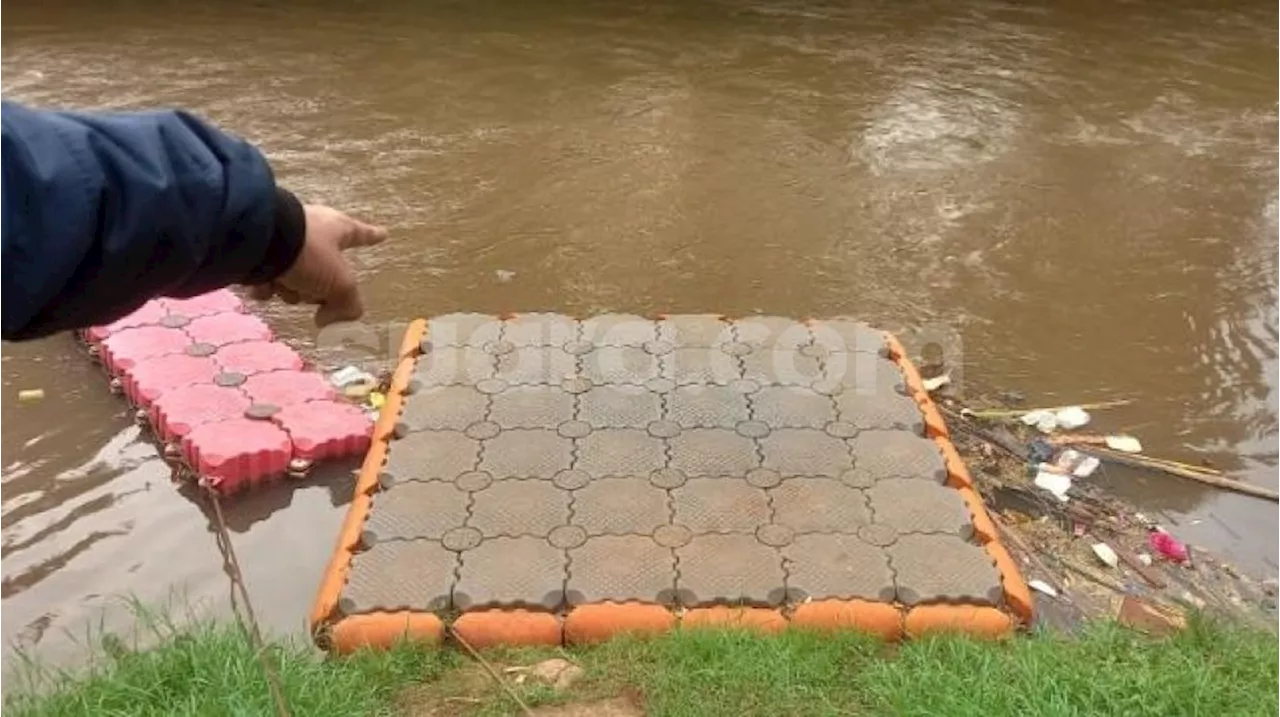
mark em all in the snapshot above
pixel 288 234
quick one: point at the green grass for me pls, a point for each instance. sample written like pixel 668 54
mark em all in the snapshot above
pixel 1209 669
pixel 209 668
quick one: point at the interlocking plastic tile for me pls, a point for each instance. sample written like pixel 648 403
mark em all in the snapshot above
pixel 621 568
pixel 864 374
pixel 697 330
pixel 415 509
pixel 284 388
pixel 619 407
pixel 445 407
pixel 914 508
pixel 227 328
pixel 707 407
pixel 540 330
pixel 713 452
pixel 620 506
pixel 323 430
pixel 772 331
pixel 252 357
pixel 847 335
pixel 530 407
pixel 432 455
pixel 519 507
pixel 536 365
pixel 180 410
pixel 619 330
pixel 620 452
pixel 149 313
pixel 214 302
pixel 837 566
pixel 399 575
pixel 943 568
pixel 792 407
pixel 526 453
pixel 781 366
pixel 150 379
pixel 234 454
pixel 619 365
pixel 122 350
pixel 885 411
pixel 805 451
pixel 897 454
pixel 720 505
pixel 819 505
pixel 727 569
pixel 701 366
pixel 512 572
pixel 445 365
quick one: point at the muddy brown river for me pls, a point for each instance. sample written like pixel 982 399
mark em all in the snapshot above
pixel 1076 200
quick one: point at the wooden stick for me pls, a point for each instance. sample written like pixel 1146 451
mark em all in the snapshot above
pixel 1015 413
pixel 524 708
pixel 1216 481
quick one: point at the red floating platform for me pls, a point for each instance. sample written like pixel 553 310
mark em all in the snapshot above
pixel 232 406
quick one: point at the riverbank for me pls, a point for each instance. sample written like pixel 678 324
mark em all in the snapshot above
pixel 210 669
pixel 1092 553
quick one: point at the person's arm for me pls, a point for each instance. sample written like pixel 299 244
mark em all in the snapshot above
pixel 102 212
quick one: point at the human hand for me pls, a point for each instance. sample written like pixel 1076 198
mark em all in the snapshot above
pixel 321 275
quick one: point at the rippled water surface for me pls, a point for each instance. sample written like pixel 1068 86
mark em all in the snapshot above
pixel 1078 198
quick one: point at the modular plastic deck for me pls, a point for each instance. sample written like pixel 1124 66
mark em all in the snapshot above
pixel 232 406
pixel 539 479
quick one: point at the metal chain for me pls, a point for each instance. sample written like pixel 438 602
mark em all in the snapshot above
pixel 231 564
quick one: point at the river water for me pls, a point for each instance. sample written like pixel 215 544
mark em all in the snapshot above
pixel 1077 200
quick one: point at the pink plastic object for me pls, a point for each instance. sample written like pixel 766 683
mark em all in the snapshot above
pixel 150 313
pixel 238 404
pixel 252 357
pixel 149 379
pixel 323 429
pixel 180 411
pixel 227 328
pixel 122 350
pixel 231 455
pixel 1168 546
pixel 215 302
pixel 285 388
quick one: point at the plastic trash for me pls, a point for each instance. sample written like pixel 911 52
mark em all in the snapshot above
pixel 1077 464
pixel 348 375
pixel 937 382
pixel 1124 444
pixel 1041 586
pixel 1144 558
pixel 30 395
pixel 1106 555
pixel 504 275
pixel 1040 451
pixel 1071 417
pixel 1044 421
pixel 1168 547
pixel 1056 483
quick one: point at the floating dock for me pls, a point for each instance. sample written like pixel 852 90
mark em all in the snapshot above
pixel 232 407
pixel 536 479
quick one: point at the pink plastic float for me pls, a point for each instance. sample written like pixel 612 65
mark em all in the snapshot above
pixel 233 407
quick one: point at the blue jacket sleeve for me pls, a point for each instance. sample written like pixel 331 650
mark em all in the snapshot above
pixel 102 212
